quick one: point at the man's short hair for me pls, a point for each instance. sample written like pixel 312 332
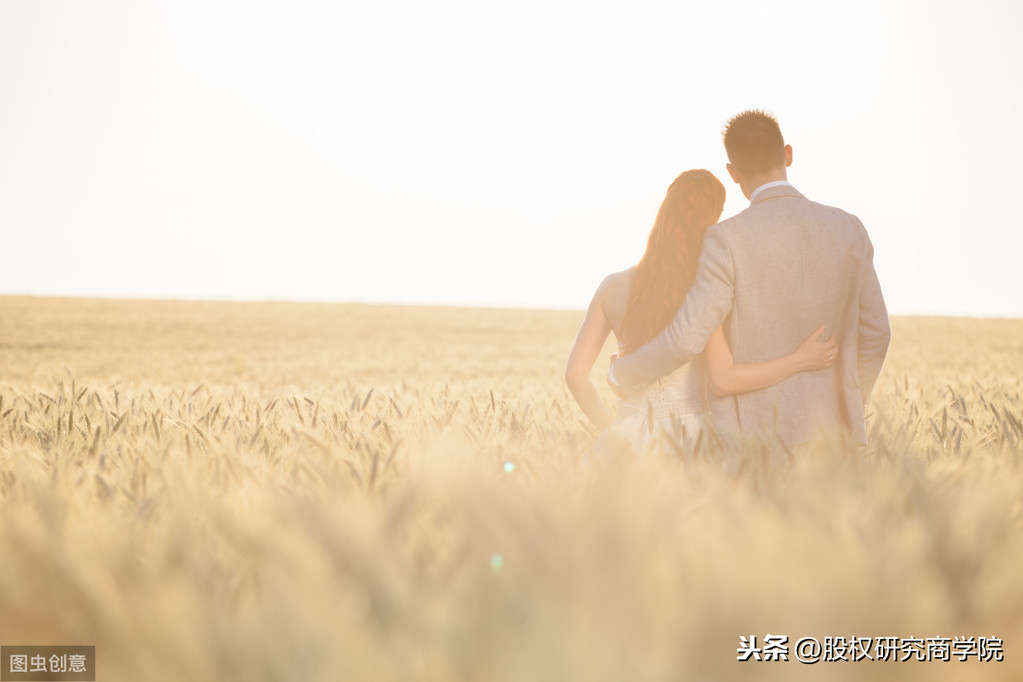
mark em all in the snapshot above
pixel 753 142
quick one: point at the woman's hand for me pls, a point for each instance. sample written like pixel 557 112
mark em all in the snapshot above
pixel 813 354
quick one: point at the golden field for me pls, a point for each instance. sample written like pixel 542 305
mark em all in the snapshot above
pixel 284 491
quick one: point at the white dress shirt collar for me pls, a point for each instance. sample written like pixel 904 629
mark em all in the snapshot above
pixel 767 185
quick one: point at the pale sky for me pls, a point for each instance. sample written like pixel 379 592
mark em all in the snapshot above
pixel 479 153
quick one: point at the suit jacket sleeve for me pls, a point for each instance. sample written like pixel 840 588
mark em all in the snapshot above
pixel 874 328
pixel 706 305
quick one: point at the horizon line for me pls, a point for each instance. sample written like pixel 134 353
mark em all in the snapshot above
pixel 412 304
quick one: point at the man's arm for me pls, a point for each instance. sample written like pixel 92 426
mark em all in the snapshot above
pixel 705 308
pixel 875 331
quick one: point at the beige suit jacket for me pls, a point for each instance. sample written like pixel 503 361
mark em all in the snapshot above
pixel 772 274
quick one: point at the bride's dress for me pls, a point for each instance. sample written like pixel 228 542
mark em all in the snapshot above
pixel 670 410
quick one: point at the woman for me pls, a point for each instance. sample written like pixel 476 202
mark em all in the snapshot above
pixel 636 304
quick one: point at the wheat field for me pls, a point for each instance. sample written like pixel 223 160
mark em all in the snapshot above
pixel 307 492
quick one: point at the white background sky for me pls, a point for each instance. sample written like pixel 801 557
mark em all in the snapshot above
pixel 485 153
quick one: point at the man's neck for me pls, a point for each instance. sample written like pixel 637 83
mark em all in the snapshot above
pixel 767 185
pixel 750 185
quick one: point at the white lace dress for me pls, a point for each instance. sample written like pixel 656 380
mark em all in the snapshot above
pixel 667 415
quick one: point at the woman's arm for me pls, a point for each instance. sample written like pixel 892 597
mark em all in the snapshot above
pixel 588 344
pixel 728 378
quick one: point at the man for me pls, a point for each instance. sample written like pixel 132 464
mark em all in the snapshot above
pixel 771 275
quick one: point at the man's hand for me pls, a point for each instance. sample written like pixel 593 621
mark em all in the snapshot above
pixel 615 388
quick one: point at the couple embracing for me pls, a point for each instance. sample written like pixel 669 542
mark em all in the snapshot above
pixel 772 320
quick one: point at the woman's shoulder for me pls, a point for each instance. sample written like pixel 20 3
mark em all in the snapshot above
pixel 613 295
pixel 618 283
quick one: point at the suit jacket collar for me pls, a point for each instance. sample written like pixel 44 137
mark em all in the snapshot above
pixel 777 193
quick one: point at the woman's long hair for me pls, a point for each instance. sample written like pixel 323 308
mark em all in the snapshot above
pixel 668 268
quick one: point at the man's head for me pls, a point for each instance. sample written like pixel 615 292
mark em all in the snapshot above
pixel 757 153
